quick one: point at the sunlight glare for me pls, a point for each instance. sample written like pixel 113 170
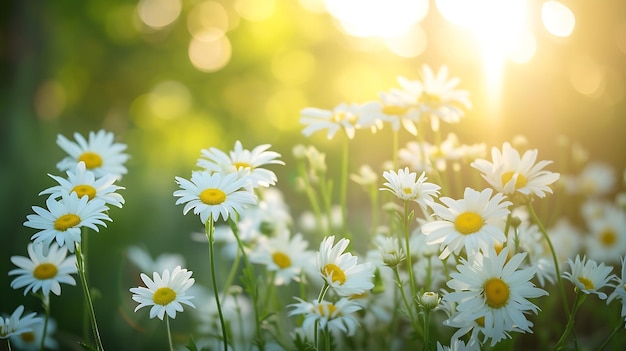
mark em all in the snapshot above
pixel 377 18
pixel 558 19
pixel 210 55
pixel 158 14
pixel 207 21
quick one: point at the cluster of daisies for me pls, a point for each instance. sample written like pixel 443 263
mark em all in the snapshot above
pixel 443 259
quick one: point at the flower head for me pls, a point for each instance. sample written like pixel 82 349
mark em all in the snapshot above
pixel 100 154
pixel 620 289
pixel 343 116
pixel 341 271
pixel 166 293
pixel 215 160
pixel 284 255
pixel 212 195
pixel 43 272
pixel 391 252
pixel 16 324
pixel 62 220
pixel 588 276
pixel 337 316
pixel 31 340
pixel 509 173
pixel 469 223
pixel 84 183
pixel 406 186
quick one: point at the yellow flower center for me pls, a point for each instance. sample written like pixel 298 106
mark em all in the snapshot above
pixel 326 309
pixel 588 284
pixel 240 165
pixel 336 274
pixel 408 190
pixel 520 182
pixel 66 222
pixel 496 292
pixel 212 196
pixel 430 99
pixel 28 337
pixel 85 189
pixel 344 116
pixel 92 160
pixel 480 321
pixel 393 110
pixel 468 223
pixel 608 237
pixel 45 271
pixel 283 261
pixel 164 296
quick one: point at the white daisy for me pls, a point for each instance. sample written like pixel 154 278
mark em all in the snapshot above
pixel 215 160
pixel 471 223
pixel 166 293
pixel 490 288
pixel 84 183
pixel 141 258
pixel 62 220
pixel 344 116
pixel 509 173
pixel 43 272
pixel 31 340
pixel 337 316
pixel 395 107
pixel 214 194
pixel 390 250
pixel 16 324
pixel 101 155
pixel 404 185
pixel 596 179
pixel 459 345
pixel 607 239
pixel 588 276
pixel 341 271
pixel 283 255
pixel 620 289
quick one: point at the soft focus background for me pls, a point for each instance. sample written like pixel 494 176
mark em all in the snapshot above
pixel 170 77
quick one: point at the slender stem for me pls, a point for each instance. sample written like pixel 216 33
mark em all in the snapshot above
pixel 169 332
pixel 270 291
pixel 406 302
pixel 374 201
pixel 543 231
pixel 409 263
pixel 320 298
pixel 80 263
pixel 9 344
pixel 308 188
pixel 344 188
pixel 210 231
pixel 46 307
pixel 327 338
pixel 427 329
pixel 231 274
pixel 619 327
pixel 580 298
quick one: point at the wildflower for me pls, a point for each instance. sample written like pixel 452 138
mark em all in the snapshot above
pixel 214 194
pixel 588 276
pixel 84 183
pixel 141 258
pixel 341 271
pixel 31 340
pixel 595 180
pixel 459 345
pixel 43 272
pixel 492 289
pixel 366 176
pixel 620 289
pixel 429 300
pixel 215 160
pixel 390 250
pixel 343 116
pixel 284 256
pixel 607 239
pixel 469 223
pixel 509 173
pixel 166 293
pixel 100 154
pixel 337 316
pixel 404 185
pixel 394 107
pixel 16 324
pixel 62 220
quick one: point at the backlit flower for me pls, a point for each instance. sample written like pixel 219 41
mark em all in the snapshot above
pixel 16 324
pixel 407 187
pixel 588 276
pixel 341 271
pixel 344 116
pixel 337 316
pixel 165 293
pixel 619 291
pixel 283 255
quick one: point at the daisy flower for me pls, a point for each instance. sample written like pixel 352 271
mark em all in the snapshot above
pixel 394 107
pixel 62 220
pixel 100 154
pixel 404 185
pixel 595 180
pixel 166 293
pixel 337 316
pixel 620 289
pixel 31 340
pixel 341 271
pixel 141 258
pixel 459 345
pixel 390 250
pixel 492 289
pixel 212 195
pixel 344 116
pixel 470 222
pixel 588 276
pixel 283 256
pixel 16 324
pixel 607 239
pixel 436 96
pixel 509 173
pixel 84 183
pixel 215 160
pixel 43 272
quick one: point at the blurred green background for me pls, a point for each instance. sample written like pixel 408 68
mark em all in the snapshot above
pixel 170 77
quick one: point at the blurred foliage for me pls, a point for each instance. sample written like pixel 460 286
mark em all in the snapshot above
pixel 74 66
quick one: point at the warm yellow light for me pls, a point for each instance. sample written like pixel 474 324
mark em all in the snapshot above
pixel 169 100
pixel 558 19
pixel 207 21
pixel 377 18
pixel 255 10
pixel 411 44
pixel 157 14
pixel 210 55
pixel 586 75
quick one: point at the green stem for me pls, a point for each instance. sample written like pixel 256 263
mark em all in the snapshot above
pixel 580 298
pixel 308 188
pixel 270 291
pixel 543 231
pixel 427 329
pixel 80 263
pixel 315 330
pixel 409 263
pixel 619 327
pixel 327 338
pixel 231 275
pixel 406 302
pixel 169 332
pixel 344 189
pixel 210 231
pixel 46 307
